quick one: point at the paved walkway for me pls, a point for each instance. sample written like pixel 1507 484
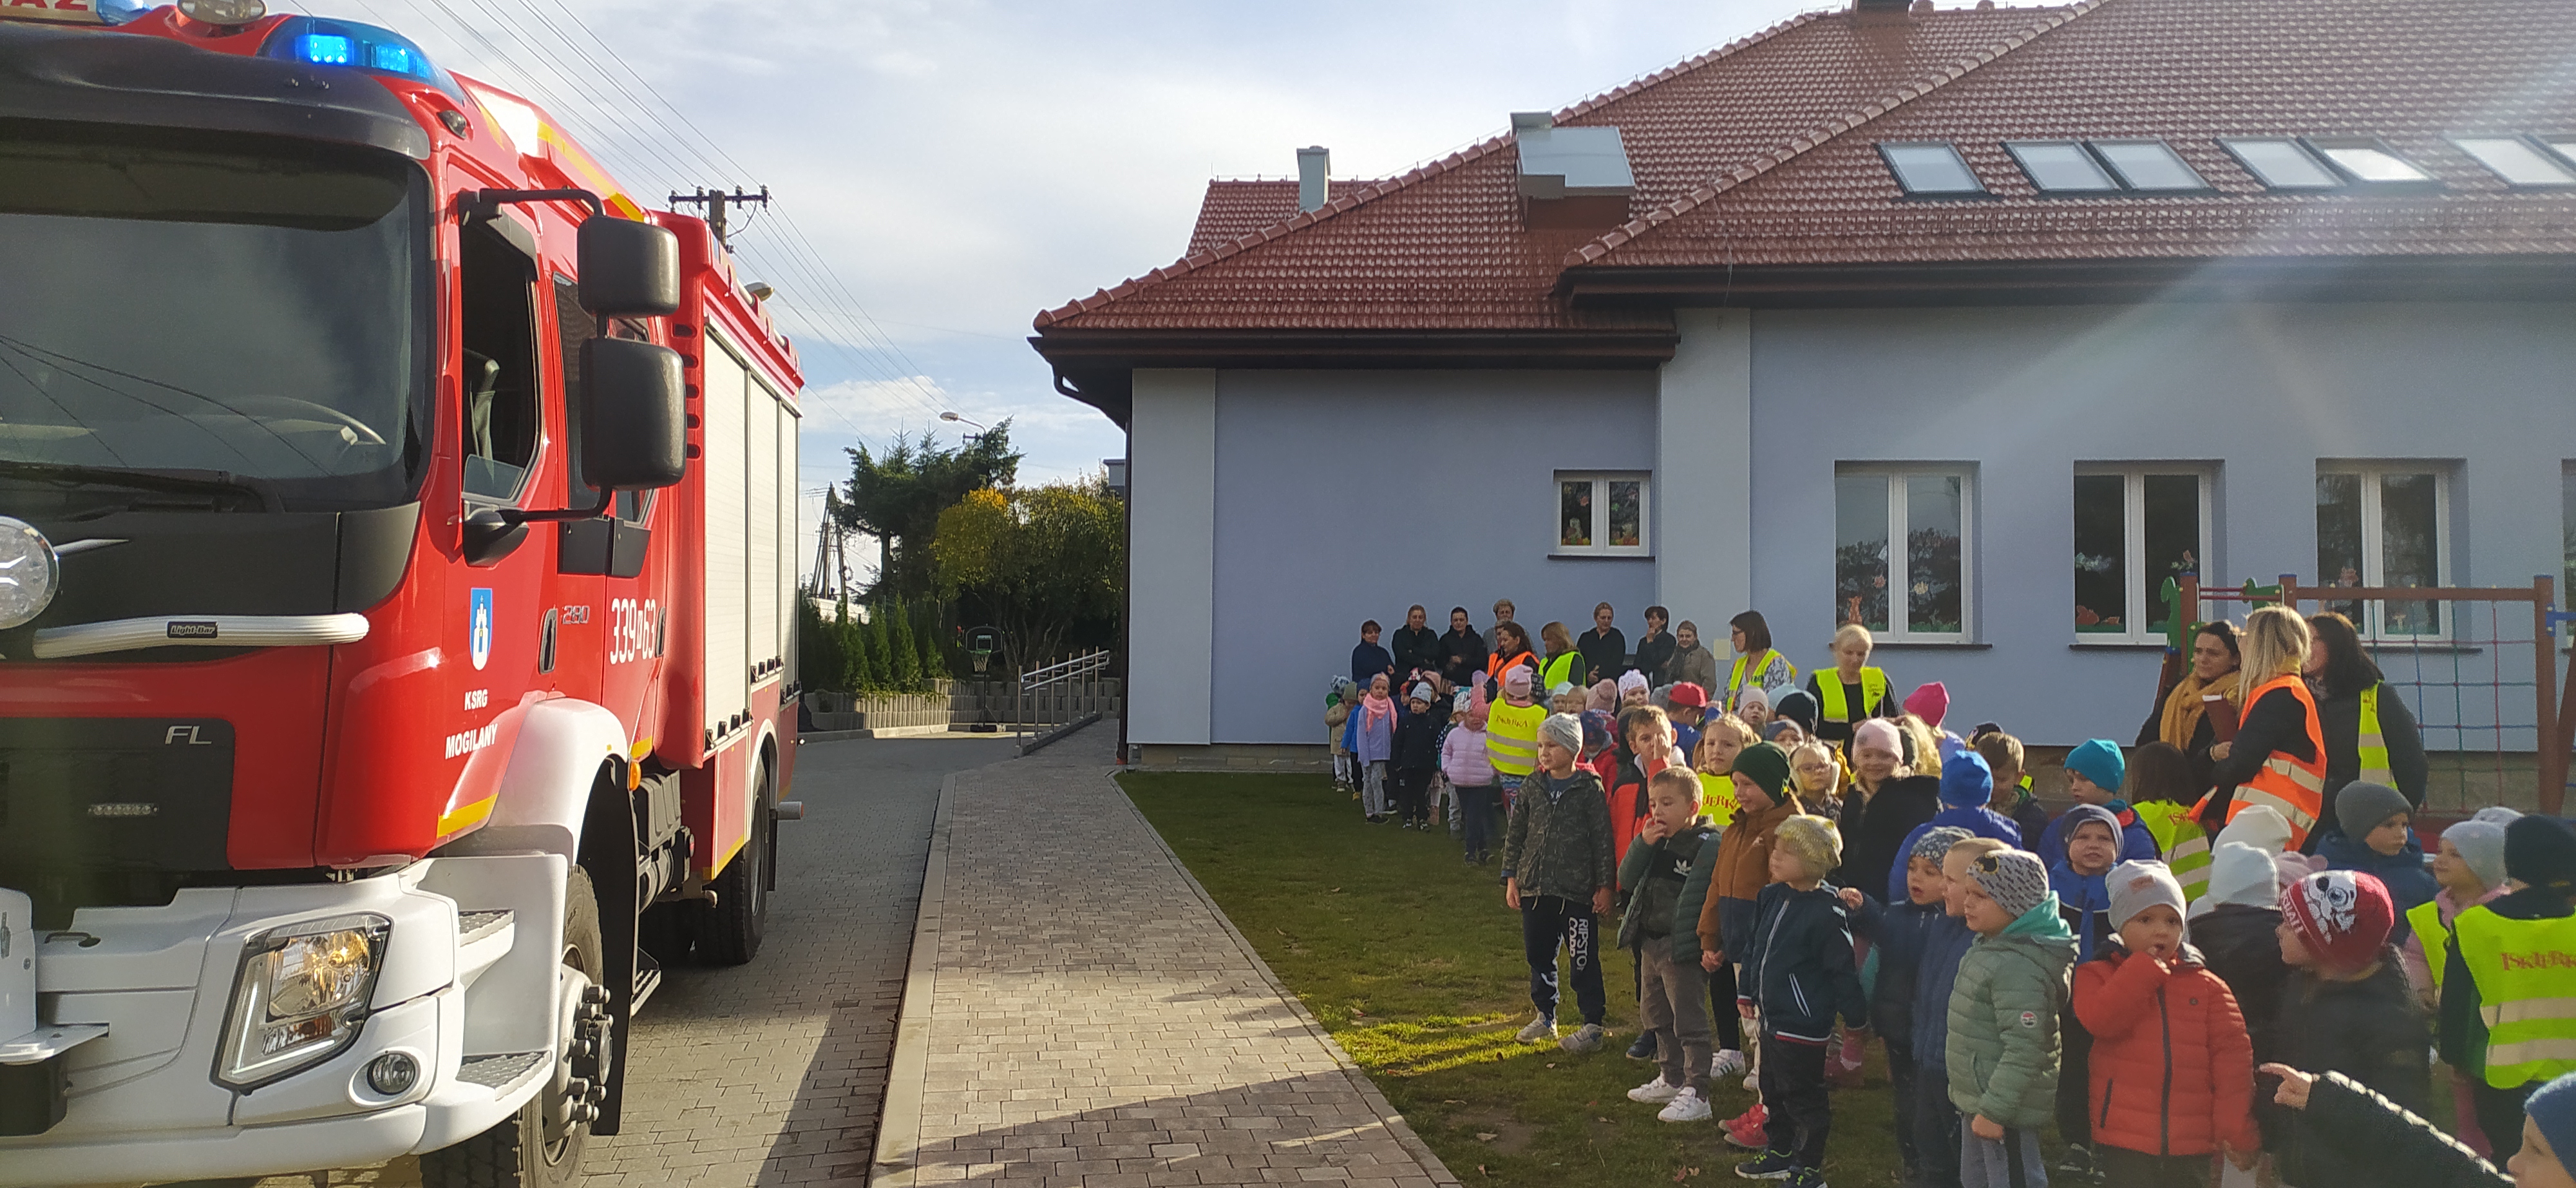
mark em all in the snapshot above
pixel 1080 1014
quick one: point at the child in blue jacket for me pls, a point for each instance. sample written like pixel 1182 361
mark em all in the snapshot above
pixel 2375 836
pixel 1945 946
pixel 1902 934
pixel 2095 774
pixel 1967 787
pixel 1798 972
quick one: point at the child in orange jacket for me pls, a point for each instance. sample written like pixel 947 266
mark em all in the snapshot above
pixel 2172 1070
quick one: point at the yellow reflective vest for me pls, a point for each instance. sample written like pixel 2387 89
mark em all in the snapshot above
pixel 2374 745
pixel 2426 919
pixel 1557 671
pixel 1511 736
pixel 1829 693
pixel 2526 976
pixel 1753 666
pixel 1717 799
pixel 2182 841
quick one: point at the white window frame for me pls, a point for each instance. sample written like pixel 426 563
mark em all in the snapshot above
pixel 1899 578
pixel 1601 480
pixel 2373 542
pixel 2133 541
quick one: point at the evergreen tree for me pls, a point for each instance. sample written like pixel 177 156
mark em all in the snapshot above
pixel 904 674
pixel 863 675
pixel 934 658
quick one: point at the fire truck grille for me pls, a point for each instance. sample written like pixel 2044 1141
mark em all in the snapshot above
pixel 105 810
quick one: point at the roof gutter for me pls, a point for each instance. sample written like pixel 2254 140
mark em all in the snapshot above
pixel 2519 277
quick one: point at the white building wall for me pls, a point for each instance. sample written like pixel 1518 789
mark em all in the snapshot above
pixel 1172 471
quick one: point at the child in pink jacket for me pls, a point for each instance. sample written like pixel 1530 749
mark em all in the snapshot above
pixel 1471 778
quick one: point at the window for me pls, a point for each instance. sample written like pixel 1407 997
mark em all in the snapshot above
pixel 2148 165
pixel 1926 581
pixel 2061 167
pixel 2282 164
pixel 2517 161
pixel 1931 170
pixel 2367 160
pixel 2382 524
pixel 2135 529
pixel 1601 514
pixel 2564 146
pixel 499 335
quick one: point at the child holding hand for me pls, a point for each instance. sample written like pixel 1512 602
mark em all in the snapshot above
pixel 1798 972
pixel 1666 881
pixel 2172 1071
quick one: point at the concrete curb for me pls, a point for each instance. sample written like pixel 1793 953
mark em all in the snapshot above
pixel 908 1073
pixel 1056 735
pixel 901 732
pixel 1367 1089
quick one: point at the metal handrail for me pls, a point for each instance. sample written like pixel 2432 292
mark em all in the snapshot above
pixel 1064 671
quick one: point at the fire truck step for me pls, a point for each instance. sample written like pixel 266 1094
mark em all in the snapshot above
pixel 648 978
pixel 474 926
pixel 501 1072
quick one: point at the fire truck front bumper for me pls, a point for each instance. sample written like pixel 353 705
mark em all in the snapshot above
pixel 224 1054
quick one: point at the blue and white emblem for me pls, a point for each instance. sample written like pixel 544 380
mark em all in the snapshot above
pixel 478 630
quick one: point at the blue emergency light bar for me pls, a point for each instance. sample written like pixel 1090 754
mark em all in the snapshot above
pixel 318 42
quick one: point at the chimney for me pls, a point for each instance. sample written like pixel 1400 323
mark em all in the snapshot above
pixel 1314 177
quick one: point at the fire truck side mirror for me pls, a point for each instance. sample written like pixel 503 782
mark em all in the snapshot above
pixel 628 269
pixel 634 423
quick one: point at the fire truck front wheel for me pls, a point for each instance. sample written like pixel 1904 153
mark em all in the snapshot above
pixel 541 1146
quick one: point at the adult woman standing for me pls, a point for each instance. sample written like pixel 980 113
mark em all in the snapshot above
pixel 1694 663
pixel 2370 734
pixel 2278 755
pixel 2181 718
pixel 1851 691
pixel 1511 650
pixel 1564 665
pixel 1757 663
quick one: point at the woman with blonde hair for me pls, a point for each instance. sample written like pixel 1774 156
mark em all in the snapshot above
pixel 1851 692
pixel 2278 757
pixel 1563 664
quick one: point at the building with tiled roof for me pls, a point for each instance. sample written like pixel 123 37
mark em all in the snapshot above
pixel 2064 300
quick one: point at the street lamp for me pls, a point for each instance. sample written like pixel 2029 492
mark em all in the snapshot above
pixel 952 416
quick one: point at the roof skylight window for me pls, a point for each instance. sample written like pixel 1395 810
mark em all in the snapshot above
pixel 2061 167
pixel 2516 160
pixel 1931 170
pixel 2369 161
pixel 2282 164
pixel 2149 165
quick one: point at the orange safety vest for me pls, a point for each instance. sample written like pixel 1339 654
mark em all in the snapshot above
pixel 1497 665
pixel 2296 789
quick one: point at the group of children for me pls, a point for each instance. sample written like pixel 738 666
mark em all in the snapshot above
pixel 1785 898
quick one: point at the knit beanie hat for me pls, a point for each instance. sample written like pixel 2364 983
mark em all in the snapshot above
pixel 1766 765
pixel 2014 879
pixel 1798 707
pixel 1603 695
pixel 1966 782
pixel 2496 813
pixel 2342 916
pixel 1687 695
pixel 1465 700
pixel 1565 730
pixel 1935 844
pixel 2077 816
pixel 2260 826
pixel 1631 679
pixel 1929 703
pixel 2137 885
pixel 1421 692
pixel 1751 695
pixel 2540 851
pixel 2481 846
pixel 1598 731
pixel 2239 874
pixel 2553 1108
pixel 1878 732
pixel 2361 806
pixel 1773 729
pixel 1813 841
pixel 2099 760
pixel 1517 680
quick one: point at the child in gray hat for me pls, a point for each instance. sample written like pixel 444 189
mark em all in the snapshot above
pixel 2003 1043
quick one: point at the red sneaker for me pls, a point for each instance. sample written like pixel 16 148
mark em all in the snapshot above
pixel 1746 1130
pixel 1844 1076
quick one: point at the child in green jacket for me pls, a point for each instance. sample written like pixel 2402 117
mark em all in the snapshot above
pixel 2003 1045
pixel 1667 882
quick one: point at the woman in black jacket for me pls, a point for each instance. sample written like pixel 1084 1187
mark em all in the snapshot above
pixel 2341 673
pixel 2276 721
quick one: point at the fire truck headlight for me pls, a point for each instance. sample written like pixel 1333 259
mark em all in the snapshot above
pixel 29 572
pixel 223 12
pixel 301 996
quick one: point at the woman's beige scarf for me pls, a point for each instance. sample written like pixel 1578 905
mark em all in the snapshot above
pixel 2183 709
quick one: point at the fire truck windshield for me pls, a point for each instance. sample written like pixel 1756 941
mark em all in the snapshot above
pixel 249 309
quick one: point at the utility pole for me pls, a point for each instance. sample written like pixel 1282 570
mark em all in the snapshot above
pixel 716 201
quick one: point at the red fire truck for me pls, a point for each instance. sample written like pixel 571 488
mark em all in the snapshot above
pixel 396 606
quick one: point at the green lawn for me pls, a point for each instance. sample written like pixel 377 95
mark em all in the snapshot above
pixel 1408 957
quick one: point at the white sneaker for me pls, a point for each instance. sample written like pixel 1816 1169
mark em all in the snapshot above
pixel 1686 1106
pixel 1657 1091
pixel 1540 1030
pixel 1753 1082
pixel 1727 1063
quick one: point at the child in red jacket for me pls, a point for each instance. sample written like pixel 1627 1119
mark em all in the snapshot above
pixel 2172 1071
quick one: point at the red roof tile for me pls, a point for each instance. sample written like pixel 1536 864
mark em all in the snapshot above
pixel 1234 209
pixel 1443 247
pixel 1763 153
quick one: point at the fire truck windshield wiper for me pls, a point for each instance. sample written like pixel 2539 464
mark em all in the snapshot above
pixel 212 482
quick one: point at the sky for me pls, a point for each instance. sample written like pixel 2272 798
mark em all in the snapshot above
pixel 945 169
